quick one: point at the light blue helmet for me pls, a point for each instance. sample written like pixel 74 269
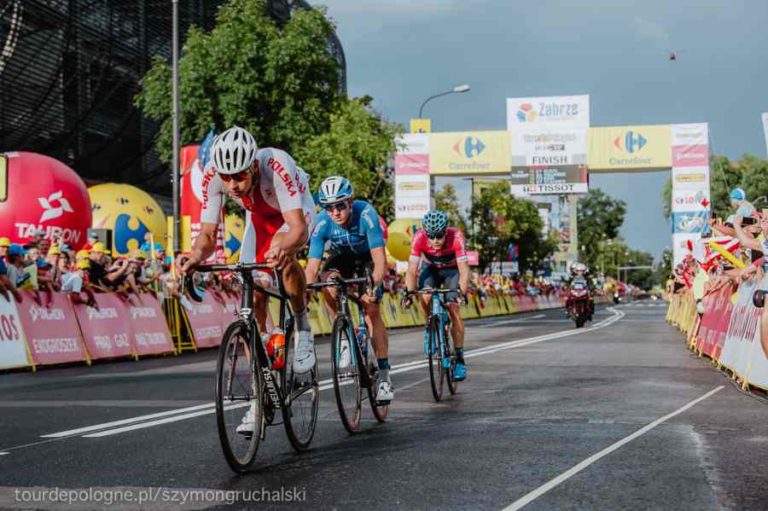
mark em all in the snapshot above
pixel 738 194
pixel 334 189
pixel 435 223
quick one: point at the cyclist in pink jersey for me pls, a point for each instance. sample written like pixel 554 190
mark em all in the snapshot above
pixel 442 252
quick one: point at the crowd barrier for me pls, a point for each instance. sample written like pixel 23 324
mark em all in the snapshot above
pixel 727 331
pixel 49 329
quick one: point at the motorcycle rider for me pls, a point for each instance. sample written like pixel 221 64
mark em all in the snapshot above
pixel 580 272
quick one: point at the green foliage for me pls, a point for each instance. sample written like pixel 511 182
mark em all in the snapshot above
pixel 501 219
pixel 280 83
pixel 600 217
pixel 355 146
pixel 446 200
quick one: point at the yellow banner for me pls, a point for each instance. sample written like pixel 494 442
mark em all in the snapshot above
pixel 470 153
pixel 625 148
pixel 421 125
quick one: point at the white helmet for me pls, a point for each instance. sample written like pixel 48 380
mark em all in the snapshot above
pixel 334 189
pixel 233 151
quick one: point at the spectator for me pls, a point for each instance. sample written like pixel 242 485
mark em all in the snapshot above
pixel 16 272
pixel 75 282
pixel 6 285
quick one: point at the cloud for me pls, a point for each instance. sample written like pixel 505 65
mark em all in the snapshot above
pixel 647 29
pixel 405 8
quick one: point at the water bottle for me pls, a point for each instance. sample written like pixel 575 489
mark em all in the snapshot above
pixel 360 333
pixel 276 345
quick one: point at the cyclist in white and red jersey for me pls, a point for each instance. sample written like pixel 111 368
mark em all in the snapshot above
pixel 279 207
pixel 445 263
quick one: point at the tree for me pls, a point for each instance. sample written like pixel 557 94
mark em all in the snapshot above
pixel 502 219
pixel 446 200
pixel 281 83
pixel 600 217
pixel 356 146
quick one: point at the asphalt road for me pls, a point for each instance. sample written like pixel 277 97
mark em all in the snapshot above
pixel 616 416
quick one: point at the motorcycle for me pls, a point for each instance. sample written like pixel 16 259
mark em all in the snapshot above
pixel 578 303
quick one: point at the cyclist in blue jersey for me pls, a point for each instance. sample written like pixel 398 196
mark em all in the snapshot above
pixel 350 231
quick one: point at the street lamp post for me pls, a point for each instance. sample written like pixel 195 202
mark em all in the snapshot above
pixel 456 90
pixel 176 143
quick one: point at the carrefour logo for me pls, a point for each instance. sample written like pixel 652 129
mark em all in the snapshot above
pixel 469 147
pixel 526 113
pixel 631 142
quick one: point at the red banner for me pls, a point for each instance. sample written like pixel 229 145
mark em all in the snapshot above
pixel 150 334
pixel 50 329
pixel 106 330
pixel 714 322
pixel 205 320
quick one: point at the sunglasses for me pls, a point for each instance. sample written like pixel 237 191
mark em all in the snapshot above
pixel 237 178
pixel 339 206
pixel 436 236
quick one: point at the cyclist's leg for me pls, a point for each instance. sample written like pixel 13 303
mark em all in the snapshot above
pixel 449 278
pixel 378 330
pixel 426 279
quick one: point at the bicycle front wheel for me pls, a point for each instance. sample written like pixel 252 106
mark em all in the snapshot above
pixel 346 375
pixel 435 358
pixel 302 397
pixel 239 391
pixel 450 354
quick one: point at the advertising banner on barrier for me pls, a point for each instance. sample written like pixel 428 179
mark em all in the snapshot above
pixel 205 320
pixel 13 349
pixel 106 330
pixel 714 322
pixel 627 148
pixel 743 331
pixel 564 111
pixel 469 153
pixel 150 332
pixel 51 330
pixel 412 197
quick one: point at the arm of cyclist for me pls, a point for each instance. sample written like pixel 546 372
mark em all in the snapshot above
pixel 464 275
pixel 205 243
pixel 410 280
pixel 285 247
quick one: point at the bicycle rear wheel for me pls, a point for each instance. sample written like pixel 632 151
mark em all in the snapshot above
pixel 302 395
pixel 435 358
pixel 346 375
pixel 239 388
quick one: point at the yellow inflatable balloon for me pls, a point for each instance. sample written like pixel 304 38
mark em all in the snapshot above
pixel 400 236
pixel 234 227
pixel 129 212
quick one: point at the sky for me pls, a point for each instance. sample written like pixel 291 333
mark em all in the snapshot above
pixel 402 51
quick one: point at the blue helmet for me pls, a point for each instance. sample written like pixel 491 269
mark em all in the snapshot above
pixel 435 223
pixel 738 194
pixel 334 189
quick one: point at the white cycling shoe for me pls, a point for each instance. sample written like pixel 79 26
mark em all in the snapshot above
pixel 248 424
pixel 304 360
pixel 386 392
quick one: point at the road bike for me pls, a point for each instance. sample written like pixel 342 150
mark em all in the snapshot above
pixel 247 379
pixel 353 361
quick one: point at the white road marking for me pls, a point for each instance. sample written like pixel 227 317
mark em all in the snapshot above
pixel 541 490
pixel 136 423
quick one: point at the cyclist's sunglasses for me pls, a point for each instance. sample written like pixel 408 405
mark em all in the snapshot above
pixel 237 178
pixel 339 206
pixel 437 236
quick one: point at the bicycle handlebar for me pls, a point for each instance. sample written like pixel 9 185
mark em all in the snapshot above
pixel 243 268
